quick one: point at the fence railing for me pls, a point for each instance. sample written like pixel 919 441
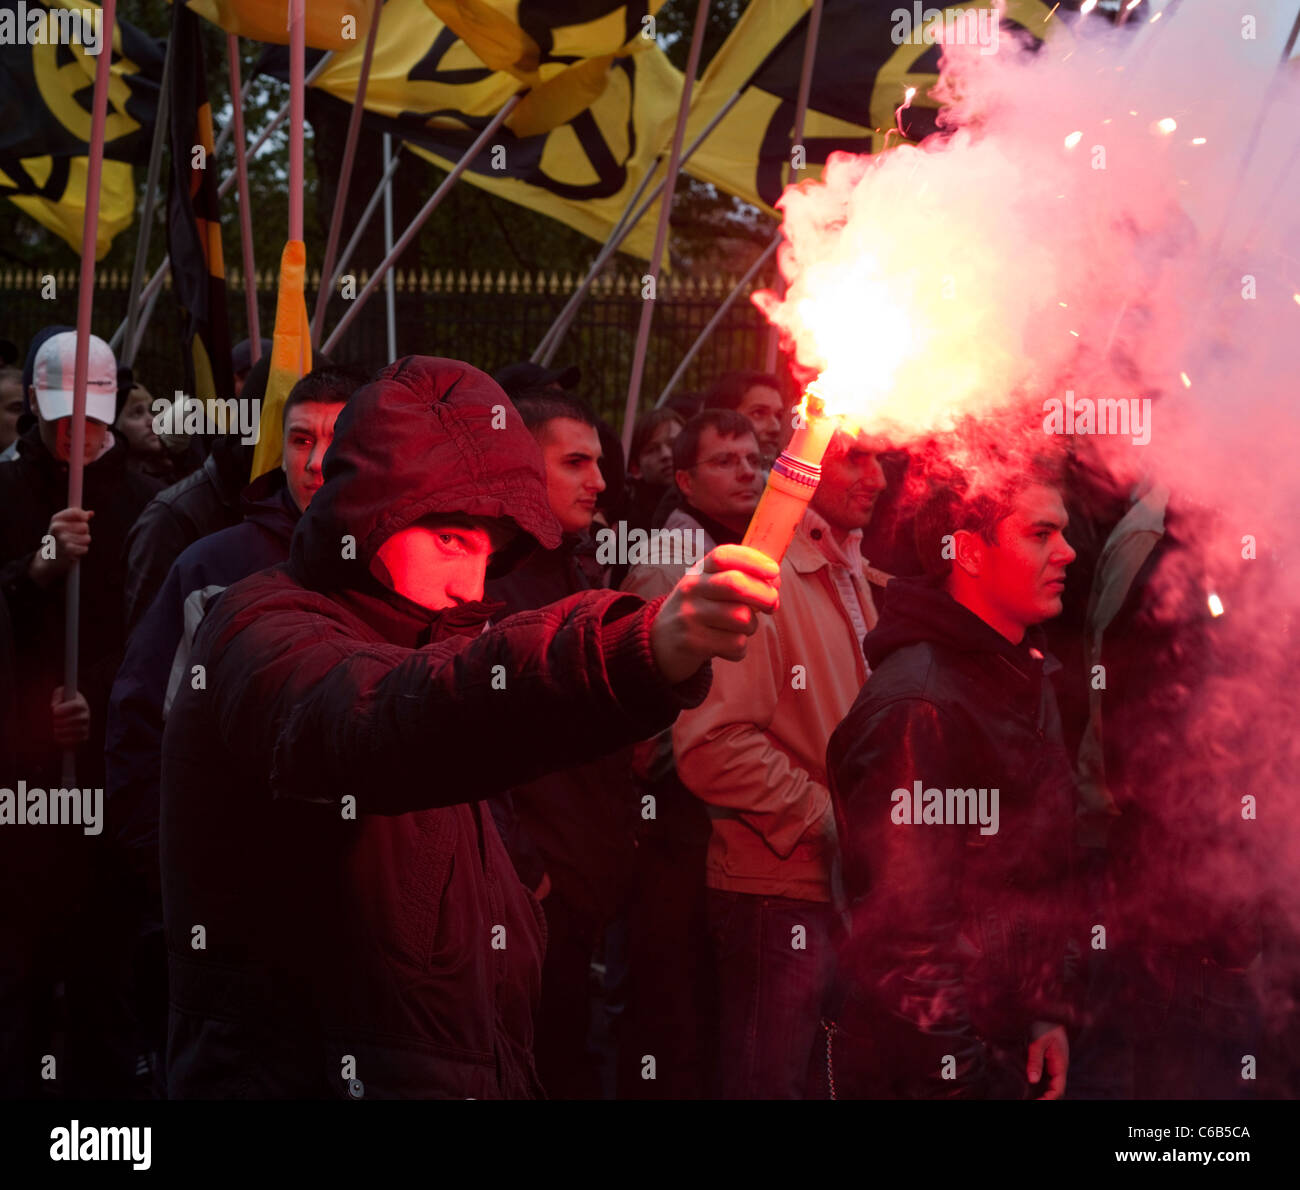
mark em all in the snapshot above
pixel 487 317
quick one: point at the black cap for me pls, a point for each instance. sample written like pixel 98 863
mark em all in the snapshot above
pixel 516 378
pixel 241 358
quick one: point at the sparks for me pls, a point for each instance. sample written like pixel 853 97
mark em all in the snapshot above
pixel 1063 305
pixel 1296 296
pixel 1184 378
pixel 1073 139
pixel 1075 334
pixel 1167 125
pixel 1087 7
pixel 1198 140
pixel 1215 605
pixel 1155 18
pixel 1055 6
pixel 1132 4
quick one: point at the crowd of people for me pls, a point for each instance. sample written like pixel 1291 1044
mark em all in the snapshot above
pixel 408 788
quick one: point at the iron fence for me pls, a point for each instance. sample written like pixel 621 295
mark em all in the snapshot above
pixel 487 319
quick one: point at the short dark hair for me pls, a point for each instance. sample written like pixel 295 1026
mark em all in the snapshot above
pixel 645 428
pixel 729 390
pixel 726 423
pixel 328 384
pixel 537 406
pixel 954 506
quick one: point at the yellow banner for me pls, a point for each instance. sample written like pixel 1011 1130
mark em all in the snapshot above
pixel 290 355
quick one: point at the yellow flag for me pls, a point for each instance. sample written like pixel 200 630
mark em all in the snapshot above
pixel 65 213
pixel 868 54
pixel 290 355
pixel 330 24
pixel 575 152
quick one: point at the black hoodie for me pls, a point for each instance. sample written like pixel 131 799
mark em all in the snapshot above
pixel 371 938
pixel 958 930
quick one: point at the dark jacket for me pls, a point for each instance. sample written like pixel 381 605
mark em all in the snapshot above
pixel 33 488
pixel 576 825
pixel 958 937
pixel 205 501
pixel 133 755
pixel 321 797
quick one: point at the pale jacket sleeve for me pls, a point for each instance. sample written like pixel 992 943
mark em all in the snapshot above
pixel 727 756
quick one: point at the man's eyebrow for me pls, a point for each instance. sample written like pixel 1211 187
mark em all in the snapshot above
pixel 580 454
pixel 1050 524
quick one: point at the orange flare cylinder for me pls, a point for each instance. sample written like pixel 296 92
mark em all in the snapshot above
pixel 790 486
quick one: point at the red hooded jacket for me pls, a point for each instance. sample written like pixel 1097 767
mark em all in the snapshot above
pixel 341 916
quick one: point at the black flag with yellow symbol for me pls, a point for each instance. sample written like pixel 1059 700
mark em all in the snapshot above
pixel 194 219
pixel 869 52
pixel 47 87
pixel 599 98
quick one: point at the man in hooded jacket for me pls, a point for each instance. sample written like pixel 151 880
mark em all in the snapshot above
pixel 342 918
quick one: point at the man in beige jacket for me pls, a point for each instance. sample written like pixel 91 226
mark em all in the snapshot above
pixel 754 751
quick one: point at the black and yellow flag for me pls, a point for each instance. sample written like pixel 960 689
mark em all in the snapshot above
pixel 194 219
pixel 47 86
pixel 600 98
pixel 868 53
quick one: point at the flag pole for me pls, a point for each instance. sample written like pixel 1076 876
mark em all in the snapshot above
pixel 661 231
pixel 345 174
pixel 800 115
pixel 245 205
pixel 85 300
pixel 390 292
pixel 297 61
pixel 763 258
pixel 413 230
pixel 551 340
pixel 133 301
pixel 366 216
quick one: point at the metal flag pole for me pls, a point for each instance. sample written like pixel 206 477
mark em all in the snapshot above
pixel 661 231
pixel 245 206
pixel 429 207
pixel 297 86
pixel 366 215
pixel 763 258
pixel 800 115
pixel 390 295
pixel 133 302
pixel 546 349
pixel 345 174
pixel 85 300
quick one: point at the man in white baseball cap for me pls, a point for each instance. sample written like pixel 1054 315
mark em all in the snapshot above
pixel 52 379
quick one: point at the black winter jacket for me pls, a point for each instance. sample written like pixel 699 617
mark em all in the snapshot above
pixel 341 916
pixel 33 488
pixel 958 937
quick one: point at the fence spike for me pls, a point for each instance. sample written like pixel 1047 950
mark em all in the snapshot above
pixel 555 282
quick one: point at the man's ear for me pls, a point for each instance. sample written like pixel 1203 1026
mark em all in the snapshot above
pixel 683 479
pixel 968 551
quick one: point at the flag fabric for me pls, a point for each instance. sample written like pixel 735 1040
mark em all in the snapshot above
pixel 577 164
pixel 330 24
pixel 868 53
pixel 46 96
pixel 290 355
pixel 194 219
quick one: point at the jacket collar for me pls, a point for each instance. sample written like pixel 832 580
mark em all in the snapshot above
pixel 720 534
pixel 814 546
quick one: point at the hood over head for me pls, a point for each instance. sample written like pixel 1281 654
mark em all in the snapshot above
pixel 427 436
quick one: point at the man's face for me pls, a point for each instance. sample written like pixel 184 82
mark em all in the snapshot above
pixel 726 481
pixel 11 407
pixel 762 405
pixel 851 483
pixel 136 423
pixel 655 462
pixel 571 452
pixel 1020 580
pixel 308 432
pixel 57 436
pixel 442 562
